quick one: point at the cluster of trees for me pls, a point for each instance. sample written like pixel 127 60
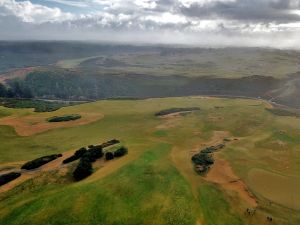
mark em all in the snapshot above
pixel 64 118
pixel 15 89
pixel 77 155
pixel 36 163
pixel 204 159
pixel 202 162
pixel 5 178
pixel 212 149
pixel 85 168
pixel 88 85
pixel 92 149
pixel 90 155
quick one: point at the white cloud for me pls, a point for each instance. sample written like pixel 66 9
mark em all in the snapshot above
pixel 188 3
pixel 33 13
pixel 81 4
pixel 151 21
pixel 166 18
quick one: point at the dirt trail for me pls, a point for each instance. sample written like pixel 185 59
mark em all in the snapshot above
pixel 182 159
pixel 37 123
pixel 221 172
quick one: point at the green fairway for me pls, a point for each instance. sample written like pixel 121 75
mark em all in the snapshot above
pixel 155 182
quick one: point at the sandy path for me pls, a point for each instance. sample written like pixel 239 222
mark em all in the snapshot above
pixel 182 159
pixel 37 123
pixel 221 173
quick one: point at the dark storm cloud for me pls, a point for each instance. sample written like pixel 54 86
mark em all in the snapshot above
pixel 245 10
pixel 274 23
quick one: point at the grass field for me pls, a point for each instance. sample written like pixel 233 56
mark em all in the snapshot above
pixel 155 183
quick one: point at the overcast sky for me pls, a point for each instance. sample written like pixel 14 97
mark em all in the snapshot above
pixel 273 23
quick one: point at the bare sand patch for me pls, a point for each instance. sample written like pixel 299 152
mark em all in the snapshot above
pixel 221 173
pixel 37 123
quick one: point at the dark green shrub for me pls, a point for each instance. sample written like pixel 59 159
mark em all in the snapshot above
pixel 83 170
pixel 203 159
pixel 94 153
pixel 79 153
pixel 120 152
pixel 109 155
pixel 40 161
pixel 5 178
pixel 64 118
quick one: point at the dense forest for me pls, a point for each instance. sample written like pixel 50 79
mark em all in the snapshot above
pixel 65 84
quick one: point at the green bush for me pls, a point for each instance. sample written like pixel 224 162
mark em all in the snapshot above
pixel 120 152
pixel 83 170
pixel 109 155
pixel 5 178
pixel 64 118
pixel 94 153
pixel 40 161
pixel 203 159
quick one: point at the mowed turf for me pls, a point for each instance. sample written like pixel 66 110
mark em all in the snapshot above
pixel 151 185
pixel 283 190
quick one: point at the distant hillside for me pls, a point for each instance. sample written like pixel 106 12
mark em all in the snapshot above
pixel 72 85
pixel 150 60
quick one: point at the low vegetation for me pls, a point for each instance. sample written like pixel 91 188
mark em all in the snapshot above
pixel 109 143
pixel 8 177
pixel 283 112
pixel 120 152
pixel 64 118
pixel 40 161
pixel 38 105
pixel 176 110
pixel 152 184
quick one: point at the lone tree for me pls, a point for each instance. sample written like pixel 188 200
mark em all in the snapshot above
pixel 120 152
pixel 83 170
pixel 109 156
